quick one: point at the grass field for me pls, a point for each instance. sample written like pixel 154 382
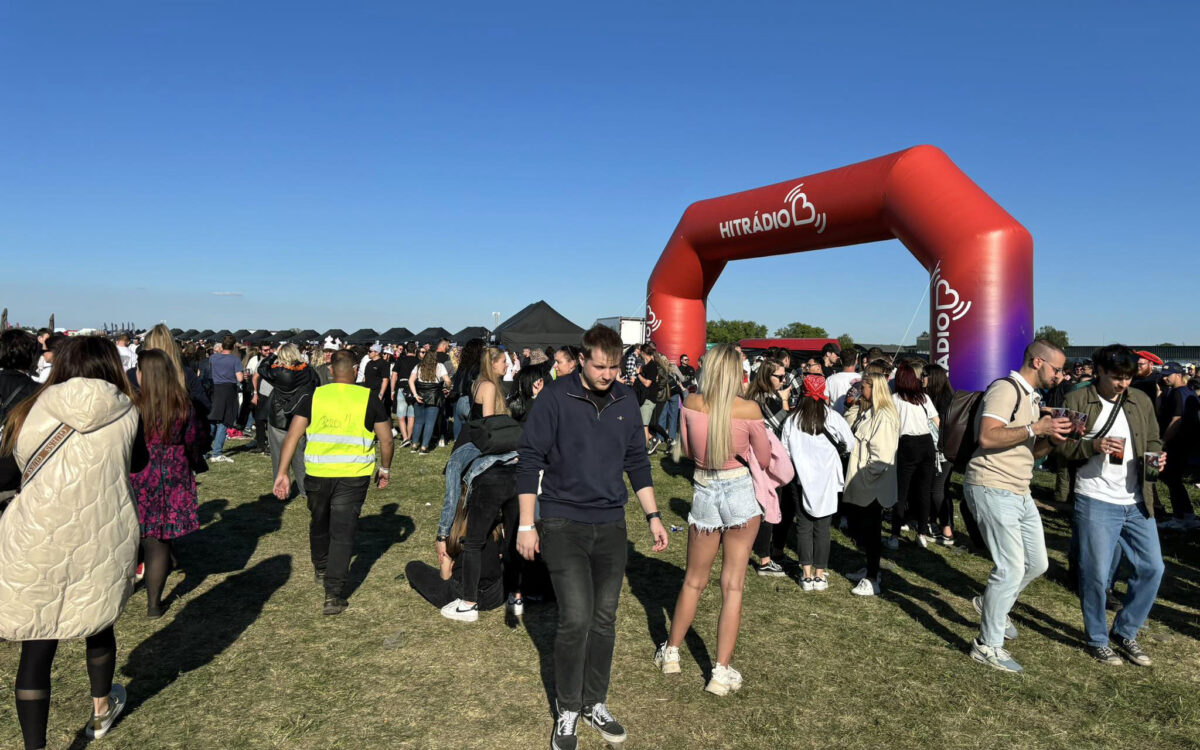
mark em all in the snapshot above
pixel 244 659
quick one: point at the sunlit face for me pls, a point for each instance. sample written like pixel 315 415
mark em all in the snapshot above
pixel 866 390
pixel 1144 367
pixel 776 378
pixel 1050 370
pixel 500 366
pixel 1111 383
pixel 563 364
pixel 598 370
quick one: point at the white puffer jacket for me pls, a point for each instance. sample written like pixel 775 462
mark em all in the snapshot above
pixel 68 543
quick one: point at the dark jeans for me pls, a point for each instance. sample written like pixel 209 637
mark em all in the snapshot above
pixel 812 539
pixel 914 481
pixel 427 581
pixel 335 503
pixel 587 565
pixel 493 492
pixel 1172 476
pixel 772 537
pixel 866 524
pixel 941 505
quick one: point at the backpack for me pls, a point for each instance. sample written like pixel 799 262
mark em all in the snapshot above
pixel 961 439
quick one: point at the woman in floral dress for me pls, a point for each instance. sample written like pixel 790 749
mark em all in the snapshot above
pixel 165 490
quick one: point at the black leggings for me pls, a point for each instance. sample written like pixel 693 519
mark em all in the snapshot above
pixel 157 553
pixel 33 680
pixel 772 537
pixel 942 507
pixel 494 492
pixel 914 481
pixel 866 525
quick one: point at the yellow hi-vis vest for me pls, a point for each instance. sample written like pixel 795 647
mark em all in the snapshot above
pixel 339 445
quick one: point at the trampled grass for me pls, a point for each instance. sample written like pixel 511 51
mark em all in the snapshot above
pixel 244 659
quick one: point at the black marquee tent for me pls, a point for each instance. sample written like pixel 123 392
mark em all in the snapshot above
pixel 363 336
pixel 396 335
pixel 335 333
pixel 241 334
pixel 432 335
pixel 538 325
pixel 471 332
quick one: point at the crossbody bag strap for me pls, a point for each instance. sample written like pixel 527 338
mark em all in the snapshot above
pixel 45 452
pixel 1112 417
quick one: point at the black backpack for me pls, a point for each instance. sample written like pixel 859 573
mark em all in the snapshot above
pixel 960 438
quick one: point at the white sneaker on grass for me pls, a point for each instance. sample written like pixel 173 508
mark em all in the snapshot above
pixel 724 680
pixel 458 610
pixel 99 724
pixel 994 657
pixel 866 587
pixel 666 658
pixel 821 583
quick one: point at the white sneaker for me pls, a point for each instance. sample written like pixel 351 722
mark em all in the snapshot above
pixel 222 459
pixel 820 584
pixel 99 725
pixel 923 541
pixel 866 587
pixel 808 584
pixel 857 575
pixel 724 681
pixel 666 658
pixel 516 606
pixel 457 610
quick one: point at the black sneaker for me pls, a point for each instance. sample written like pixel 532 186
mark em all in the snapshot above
pixel 598 716
pixel 1105 655
pixel 334 605
pixel 564 737
pixel 1133 652
pixel 652 446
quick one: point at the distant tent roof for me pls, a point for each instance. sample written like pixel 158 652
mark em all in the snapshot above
pixel 432 334
pixel 222 333
pixel 261 336
pixel 189 334
pixel 336 333
pixel 538 324
pixel 307 334
pixel 363 336
pixel 396 335
pixel 176 331
pixel 241 334
pixel 206 334
pixel 471 332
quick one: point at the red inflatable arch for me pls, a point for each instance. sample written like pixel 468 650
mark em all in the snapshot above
pixel 979 258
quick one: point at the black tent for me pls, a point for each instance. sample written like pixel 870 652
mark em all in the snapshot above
pixel 241 334
pixel 363 336
pixel 538 325
pixel 176 331
pixel 432 335
pixel 205 335
pixel 396 335
pixel 471 332
pixel 189 335
pixel 336 333
pixel 308 335
pixel 261 336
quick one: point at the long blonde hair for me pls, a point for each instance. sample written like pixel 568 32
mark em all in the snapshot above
pixel 722 368
pixel 881 395
pixel 490 356
pixel 288 355
pixel 160 338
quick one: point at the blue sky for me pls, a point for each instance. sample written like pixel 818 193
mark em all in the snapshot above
pixel 380 164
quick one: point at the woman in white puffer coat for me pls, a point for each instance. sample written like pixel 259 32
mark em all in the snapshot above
pixel 68 542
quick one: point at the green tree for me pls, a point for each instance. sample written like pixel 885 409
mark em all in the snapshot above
pixel 1054 336
pixel 731 331
pixel 845 342
pixel 799 330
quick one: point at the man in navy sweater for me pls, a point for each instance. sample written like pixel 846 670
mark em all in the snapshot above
pixel 582 432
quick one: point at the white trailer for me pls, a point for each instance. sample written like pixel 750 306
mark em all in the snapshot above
pixel 632 330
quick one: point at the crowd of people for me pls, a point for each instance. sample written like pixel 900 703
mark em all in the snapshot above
pixel 538 445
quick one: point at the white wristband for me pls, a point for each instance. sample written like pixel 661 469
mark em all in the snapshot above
pixel 525 528
pixel 1029 428
pixel 383 471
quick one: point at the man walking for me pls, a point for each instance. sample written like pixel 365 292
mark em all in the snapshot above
pixel 996 485
pixel 1110 510
pixel 341 421
pixel 1178 425
pixel 583 431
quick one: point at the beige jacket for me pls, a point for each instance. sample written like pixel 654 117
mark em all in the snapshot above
pixel 68 543
pixel 871 472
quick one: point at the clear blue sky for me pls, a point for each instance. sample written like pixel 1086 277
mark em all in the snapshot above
pixel 325 159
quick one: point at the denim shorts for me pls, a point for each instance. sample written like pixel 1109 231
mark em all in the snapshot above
pixel 723 503
pixel 403 408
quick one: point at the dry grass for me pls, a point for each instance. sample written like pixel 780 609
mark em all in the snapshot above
pixel 245 660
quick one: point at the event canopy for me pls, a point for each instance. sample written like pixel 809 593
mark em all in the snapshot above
pixel 336 333
pixel 176 331
pixel 471 332
pixel 241 334
pixel 189 334
pixel 205 335
pixel 537 325
pixel 262 336
pixel 307 335
pixel 363 336
pixel 432 335
pixel 397 335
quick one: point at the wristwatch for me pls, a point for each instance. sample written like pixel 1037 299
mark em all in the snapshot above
pixel 655 514
pixel 443 538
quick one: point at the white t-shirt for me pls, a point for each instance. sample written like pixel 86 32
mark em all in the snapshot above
pixel 1100 480
pixel 836 386
pixel 914 419
pixel 441 372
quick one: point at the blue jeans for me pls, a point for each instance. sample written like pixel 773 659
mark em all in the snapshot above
pixel 218 443
pixel 669 420
pixel 423 429
pixel 462 411
pixel 1103 529
pixel 1012 527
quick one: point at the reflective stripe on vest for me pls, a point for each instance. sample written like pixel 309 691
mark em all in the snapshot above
pixel 339 445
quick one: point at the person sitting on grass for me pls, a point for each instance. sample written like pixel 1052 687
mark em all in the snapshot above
pixel 443 585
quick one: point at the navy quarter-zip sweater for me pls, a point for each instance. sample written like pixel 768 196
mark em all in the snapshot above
pixel 583 449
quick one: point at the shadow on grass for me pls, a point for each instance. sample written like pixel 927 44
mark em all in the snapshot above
pixel 656 584
pixel 202 630
pixel 374 537
pixel 541 623
pixel 227 544
pixel 683 469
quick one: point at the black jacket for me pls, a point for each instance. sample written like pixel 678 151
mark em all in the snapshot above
pixel 290 384
pixel 15 387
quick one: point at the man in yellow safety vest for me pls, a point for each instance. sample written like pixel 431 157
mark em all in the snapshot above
pixel 341 421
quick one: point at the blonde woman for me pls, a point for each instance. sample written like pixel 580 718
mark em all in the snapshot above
pixel 718 429
pixel 427 382
pixel 159 337
pixel 487 392
pixel 871 474
pixel 291 379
